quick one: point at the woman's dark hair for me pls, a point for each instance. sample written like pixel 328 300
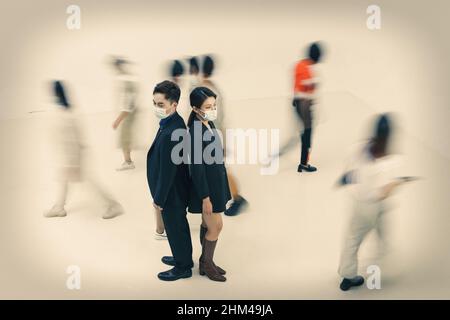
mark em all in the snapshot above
pixel 208 66
pixel 177 69
pixel 193 65
pixel 60 94
pixel 315 52
pixel 197 98
pixel 169 89
pixel 380 139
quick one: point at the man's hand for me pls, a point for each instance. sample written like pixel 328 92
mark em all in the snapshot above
pixel 306 103
pixel 207 206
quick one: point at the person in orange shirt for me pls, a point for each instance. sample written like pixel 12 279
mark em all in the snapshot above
pixel 304 89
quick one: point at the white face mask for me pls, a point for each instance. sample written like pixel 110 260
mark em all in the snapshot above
pixel 211 115
pixel 161 113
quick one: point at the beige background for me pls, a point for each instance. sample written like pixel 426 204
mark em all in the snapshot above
pixel 287 243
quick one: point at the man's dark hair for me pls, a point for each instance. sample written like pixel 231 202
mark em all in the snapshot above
pixel 169 89
pixel 60 93
pixel 315 52
pixel 176 69
pixel 380 140
pixel 383 127
pixel 193 65
pixel 208 66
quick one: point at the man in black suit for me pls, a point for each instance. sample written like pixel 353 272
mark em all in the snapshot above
pixel 168 181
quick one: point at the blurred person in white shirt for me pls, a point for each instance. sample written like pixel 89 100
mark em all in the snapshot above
pixel 127 91
pixel 69 156
pixel 373 180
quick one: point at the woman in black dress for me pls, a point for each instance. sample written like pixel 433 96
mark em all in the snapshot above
pixel 209 193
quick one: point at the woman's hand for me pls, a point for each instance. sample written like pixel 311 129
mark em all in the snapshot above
pixel 207 206
pixel 158 208
pixel 390 187
pixel 116 124
pixel 119 119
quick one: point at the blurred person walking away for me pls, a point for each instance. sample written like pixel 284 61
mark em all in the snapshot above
pixel 177 72
pixel 169 182
pixel 66 137
pixel 127 91
pixel 372 176
pixel 239 202
pixel 210 192
pixel 177 75
pixel 304 88
pixel 194 73
pixel 305 85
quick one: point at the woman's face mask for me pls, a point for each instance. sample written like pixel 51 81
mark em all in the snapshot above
pixel 208 115
pixel 209 111
pixel 211 115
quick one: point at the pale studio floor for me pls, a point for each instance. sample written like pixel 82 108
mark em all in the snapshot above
pixel 285 246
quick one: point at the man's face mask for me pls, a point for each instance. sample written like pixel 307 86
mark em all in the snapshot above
pixel 160 107
pixel 161 113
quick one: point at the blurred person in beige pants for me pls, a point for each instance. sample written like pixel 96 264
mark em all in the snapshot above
pixel 126 86
pixel 69 153
pixel 372 177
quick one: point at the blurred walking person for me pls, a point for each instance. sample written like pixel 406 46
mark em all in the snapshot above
pixel 177 72
pixel 305 84
pixel 127 91
pixel 194 73
pixel 239 202
pixel 304 89
pixel 373 175
pixel 69 154
pixel 177 75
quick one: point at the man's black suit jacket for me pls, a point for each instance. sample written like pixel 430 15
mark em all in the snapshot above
pixel 168 182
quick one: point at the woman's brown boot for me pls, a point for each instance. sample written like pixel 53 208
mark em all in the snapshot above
pixel 203 231
pixel 207 265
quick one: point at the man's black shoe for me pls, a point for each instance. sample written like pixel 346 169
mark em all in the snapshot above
pixel 346 284
pixel 307 168
pixel 174 274
pixel 170 261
